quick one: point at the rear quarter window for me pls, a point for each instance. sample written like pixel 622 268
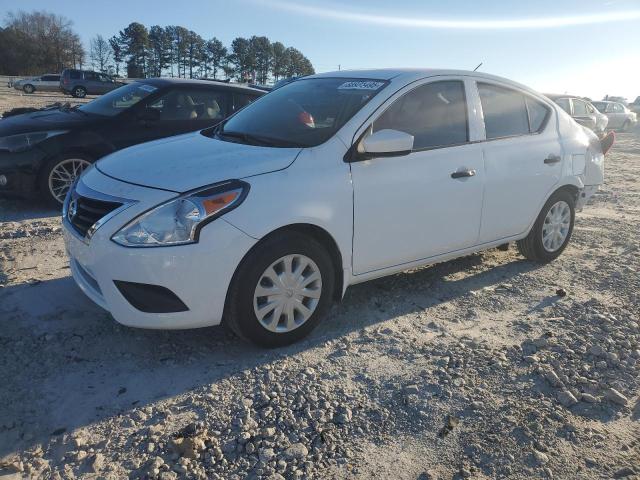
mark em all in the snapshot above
pixel 505 111
pixel 538 114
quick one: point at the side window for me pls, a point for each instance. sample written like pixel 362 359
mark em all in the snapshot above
pixel 200 104
pixel 434 113
pixel 51 78
pixel 75 74
pixel 590 108
pixel 579 107
pixel 617 108
pixel 104 78
pixel 242 100
pixel 505 112
pixel 538 113
pixel 91 76
pixel 564 104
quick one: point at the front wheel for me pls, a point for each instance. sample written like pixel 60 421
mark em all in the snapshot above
pixel 58 175
pixel 281 290
pixel 552 231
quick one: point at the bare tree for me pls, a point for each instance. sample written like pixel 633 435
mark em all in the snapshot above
pixel 100 53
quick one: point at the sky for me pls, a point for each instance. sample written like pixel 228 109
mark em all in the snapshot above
pixel 583 47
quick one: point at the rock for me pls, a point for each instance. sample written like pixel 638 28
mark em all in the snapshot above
pixel 97 463
pixel 615 396
pixel 561 292
pixel 540 457
pixel 586 397
pixel 344 416
pixel 188 447
pixel 566 398
pixel 553 378
pixel 411 390
pixel 296 451
pixel 597 351
pixel 266 454
pixel 624 472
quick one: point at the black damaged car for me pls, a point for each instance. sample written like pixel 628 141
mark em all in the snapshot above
pixel 42 152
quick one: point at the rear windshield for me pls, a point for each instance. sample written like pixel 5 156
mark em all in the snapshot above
pixel 304 113
pixel 601 106
pixel 118 100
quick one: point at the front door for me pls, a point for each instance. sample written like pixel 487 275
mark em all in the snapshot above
pixel 412 207
pixel 523 160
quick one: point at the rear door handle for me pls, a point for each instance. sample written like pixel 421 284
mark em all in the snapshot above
pixel 551 159
pixel 463 173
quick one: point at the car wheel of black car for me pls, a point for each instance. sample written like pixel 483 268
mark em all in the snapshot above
pixel 79 92
pixel 58 174
pixel 28 88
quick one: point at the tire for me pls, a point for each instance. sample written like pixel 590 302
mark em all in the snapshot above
pixel 52 176
pixel 243 301
pixel 79 92
pixel 28 88
pixel 533 247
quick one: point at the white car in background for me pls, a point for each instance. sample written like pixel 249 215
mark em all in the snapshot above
pixel 619 115
pixel 329 181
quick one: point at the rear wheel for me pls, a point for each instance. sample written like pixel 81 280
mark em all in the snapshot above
pixel 28 88
pixel 58 175
pixel 79 92
pixel 281 290
pixel 552 231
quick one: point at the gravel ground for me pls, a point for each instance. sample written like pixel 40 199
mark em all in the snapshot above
pixel 12 98
pixel 484 367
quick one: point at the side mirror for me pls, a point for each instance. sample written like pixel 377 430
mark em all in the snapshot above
pixel 386 143
pixel 149 115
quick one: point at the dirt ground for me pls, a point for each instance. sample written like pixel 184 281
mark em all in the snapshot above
pixel 475 368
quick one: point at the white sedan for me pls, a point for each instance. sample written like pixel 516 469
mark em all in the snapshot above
pixel 332 180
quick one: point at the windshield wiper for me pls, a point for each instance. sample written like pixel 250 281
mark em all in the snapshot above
pixel 256 139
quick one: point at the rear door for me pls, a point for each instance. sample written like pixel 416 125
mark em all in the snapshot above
pixel 410 207
pixel 522 157
pixel 50 83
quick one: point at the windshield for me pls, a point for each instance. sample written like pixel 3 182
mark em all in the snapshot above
pixel 304 113
pixel 118 100
pixel 601 106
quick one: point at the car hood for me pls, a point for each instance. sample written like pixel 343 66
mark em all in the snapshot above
pixel 43 120
pixel 185 162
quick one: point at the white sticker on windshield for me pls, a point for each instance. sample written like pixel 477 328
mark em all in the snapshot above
pixel 147 88
pixel 360 85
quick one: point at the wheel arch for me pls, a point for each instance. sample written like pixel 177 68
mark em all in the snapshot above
pixel 324 237
pixel 571 185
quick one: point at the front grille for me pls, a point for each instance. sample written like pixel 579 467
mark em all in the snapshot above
pixel 84 212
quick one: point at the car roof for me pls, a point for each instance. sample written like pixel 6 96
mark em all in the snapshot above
pixel 555 96
pixel 165 81
pixel 412 74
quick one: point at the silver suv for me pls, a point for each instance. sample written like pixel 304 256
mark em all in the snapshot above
pixel 80 83
pixel 620 117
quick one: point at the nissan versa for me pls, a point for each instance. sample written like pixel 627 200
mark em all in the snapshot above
pixel 334 179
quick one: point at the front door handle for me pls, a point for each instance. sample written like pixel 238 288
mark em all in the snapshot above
pixel 551 159
pixel 463 173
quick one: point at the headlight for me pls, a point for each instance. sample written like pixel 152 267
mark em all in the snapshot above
pixel 24 141
pixel 179 221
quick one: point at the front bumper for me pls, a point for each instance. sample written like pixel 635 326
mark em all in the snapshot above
pixel 21 170
pixel 198 274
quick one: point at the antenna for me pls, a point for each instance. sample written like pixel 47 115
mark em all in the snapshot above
pixel 479 65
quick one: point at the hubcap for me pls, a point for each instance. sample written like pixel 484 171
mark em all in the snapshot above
pixel 556 226
pixel 63 175
pixel 287 293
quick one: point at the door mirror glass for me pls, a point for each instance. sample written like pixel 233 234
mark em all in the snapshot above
pixel 387 142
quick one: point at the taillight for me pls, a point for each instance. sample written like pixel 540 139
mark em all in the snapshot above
pixel 607 141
